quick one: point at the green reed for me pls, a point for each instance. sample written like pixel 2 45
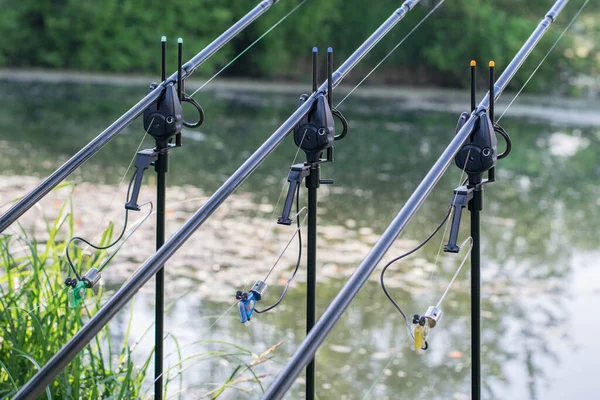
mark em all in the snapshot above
pixel 35 322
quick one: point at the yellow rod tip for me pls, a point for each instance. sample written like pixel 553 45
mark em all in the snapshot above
pixel 473 63
pixel 492 64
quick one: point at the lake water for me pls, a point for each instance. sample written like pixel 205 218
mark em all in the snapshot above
pixel 541 282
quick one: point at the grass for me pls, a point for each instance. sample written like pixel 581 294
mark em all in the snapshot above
pixel 35 322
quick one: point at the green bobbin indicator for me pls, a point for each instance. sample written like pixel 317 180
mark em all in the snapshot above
pixel 77 294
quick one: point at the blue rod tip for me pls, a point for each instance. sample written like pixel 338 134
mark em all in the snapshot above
pixel 163 39
pixel 330 49
pixel 180 40
pixel 315 50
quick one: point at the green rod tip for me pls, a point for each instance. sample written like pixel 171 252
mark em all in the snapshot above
pixel 163 39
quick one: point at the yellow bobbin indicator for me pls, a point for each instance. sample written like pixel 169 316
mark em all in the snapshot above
pixel 419 339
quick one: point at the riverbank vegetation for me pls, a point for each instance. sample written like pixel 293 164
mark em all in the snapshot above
pixel 35 322
pixel 122 36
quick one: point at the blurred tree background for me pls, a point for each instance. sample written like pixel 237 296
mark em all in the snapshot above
pixel 122 36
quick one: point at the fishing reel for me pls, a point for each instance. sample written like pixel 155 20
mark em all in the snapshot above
pixel 248 300
pixel 79 287
pixel 164 118
pixel 316 131
pixel 423 324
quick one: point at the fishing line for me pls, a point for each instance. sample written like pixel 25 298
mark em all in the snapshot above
pixel 248 48
pixel 418 247
pixel 544 59
pixel 458 270
pixel 43 305
pixel 193 343
pixel 395 355
pixel 289 242
pixel 298 261
pixel 271 222
pixel 137 225
pixel 382 372
pixel 390 53
pixel 268 230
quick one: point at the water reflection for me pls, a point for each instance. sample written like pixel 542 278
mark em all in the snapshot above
pixel 539 216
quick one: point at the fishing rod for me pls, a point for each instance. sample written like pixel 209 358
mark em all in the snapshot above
pixel 69 351
pixel 309 346
pixel 35 195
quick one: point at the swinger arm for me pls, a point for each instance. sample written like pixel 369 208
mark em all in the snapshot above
pixel 143 160
pixel 462 196
pixel 297 173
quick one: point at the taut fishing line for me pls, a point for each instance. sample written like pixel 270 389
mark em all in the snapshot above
pixel 390 53
pixel 544 59
pixel 43 304
pixel 249 47
pixel 382 372
pixel 439 303
pixel 298 261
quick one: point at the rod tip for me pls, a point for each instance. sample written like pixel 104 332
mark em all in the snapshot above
pixel 315 50
pixel 492 64
pixel 180 40
pixel 163 39
pixel 473 63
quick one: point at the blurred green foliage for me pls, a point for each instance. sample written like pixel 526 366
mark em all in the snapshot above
pixel 123 35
